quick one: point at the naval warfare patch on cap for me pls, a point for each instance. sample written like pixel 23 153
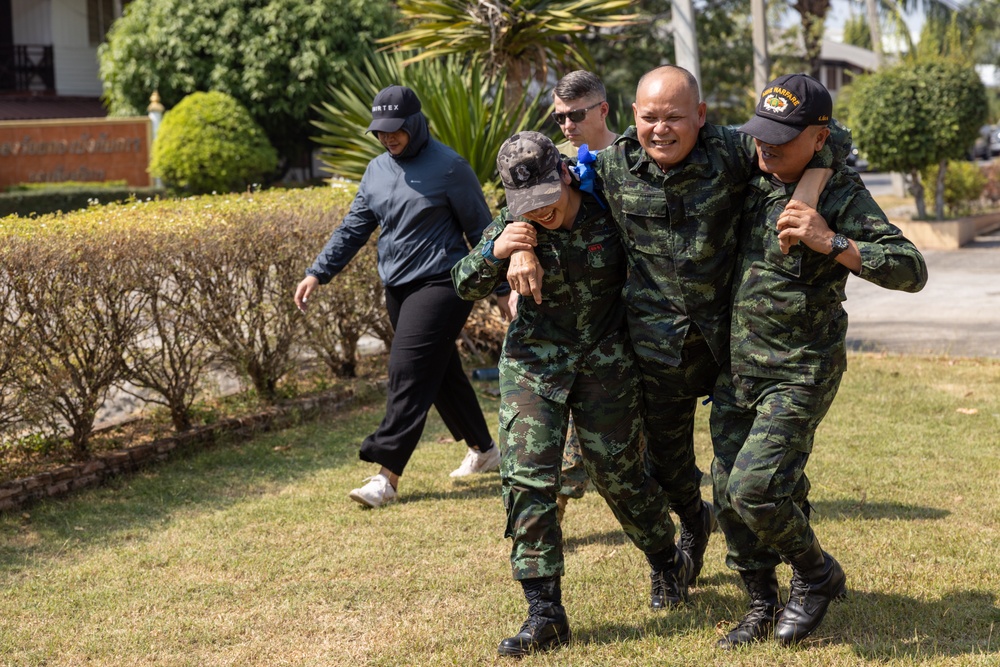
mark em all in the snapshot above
pixel 788 105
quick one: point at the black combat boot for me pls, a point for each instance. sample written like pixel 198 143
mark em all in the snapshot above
pixel 817 580
pixel 670 574
pixel 697 524
pixel 546 627
pixel 762 585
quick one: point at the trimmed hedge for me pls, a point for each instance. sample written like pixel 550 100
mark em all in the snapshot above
pixel 152 294
pixel 35 202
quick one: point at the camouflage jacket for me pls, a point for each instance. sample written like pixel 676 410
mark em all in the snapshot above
pixel 788 318
pixel 680 231
pixel 581 321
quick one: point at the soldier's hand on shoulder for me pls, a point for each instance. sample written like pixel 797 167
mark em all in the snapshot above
pixel 800 223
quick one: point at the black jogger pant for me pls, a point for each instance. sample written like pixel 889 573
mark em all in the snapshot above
pixel 425 369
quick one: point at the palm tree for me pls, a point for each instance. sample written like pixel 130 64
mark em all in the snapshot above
pixel 521 38
pixel 813 15
pixel 465 108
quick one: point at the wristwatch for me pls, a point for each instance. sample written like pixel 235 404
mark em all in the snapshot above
pixel 839 243
pixel 488 255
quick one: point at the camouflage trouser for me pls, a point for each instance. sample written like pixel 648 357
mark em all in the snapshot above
pixel 532 434
pixel 762 433
pixel 671 396
pixel 574 473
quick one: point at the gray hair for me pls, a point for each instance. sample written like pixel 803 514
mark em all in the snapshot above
pixel 578 84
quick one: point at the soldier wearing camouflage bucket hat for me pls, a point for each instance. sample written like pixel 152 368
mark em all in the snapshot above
pixel 569 353
pixel 788 355
pixel 675 185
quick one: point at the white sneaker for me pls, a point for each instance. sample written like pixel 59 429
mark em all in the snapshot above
pixel 375 493
pixel 475 462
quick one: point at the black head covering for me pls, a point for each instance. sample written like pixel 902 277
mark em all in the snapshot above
pixel 415 125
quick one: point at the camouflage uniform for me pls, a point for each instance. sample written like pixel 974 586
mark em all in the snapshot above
pixel 572 352
pixel 788 355
pixel 680 229
pixel 680 236
pixel 574 474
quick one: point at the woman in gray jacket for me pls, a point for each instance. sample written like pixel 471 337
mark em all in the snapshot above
pixel 430 209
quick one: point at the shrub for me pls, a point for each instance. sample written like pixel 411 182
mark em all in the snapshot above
pixel 963 186
pixel 144 293
pixel 209 143
pixel 72 298
pixel 991 189
pixel 63 198
pixel 276 57
pixel 909 116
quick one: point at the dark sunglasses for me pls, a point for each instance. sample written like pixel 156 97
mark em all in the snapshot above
pixel 576 115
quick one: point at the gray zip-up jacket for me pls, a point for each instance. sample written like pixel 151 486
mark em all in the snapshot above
pixel 428 203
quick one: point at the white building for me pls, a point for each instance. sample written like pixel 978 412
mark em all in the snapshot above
pixel 48 52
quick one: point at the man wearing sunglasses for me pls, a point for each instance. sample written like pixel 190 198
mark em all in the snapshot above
pixel 581 112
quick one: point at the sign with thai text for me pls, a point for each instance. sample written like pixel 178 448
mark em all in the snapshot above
pixel 75 149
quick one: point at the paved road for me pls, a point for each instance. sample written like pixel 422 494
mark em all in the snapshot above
pixel 878 183
pixel 957 313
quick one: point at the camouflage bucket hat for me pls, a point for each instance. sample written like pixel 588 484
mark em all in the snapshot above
pixel 528 163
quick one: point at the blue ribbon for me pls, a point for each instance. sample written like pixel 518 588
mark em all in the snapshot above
pixel 588 177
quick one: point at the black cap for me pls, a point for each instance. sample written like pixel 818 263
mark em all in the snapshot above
pixel 788 105
pixel 528 163
pixel 391 107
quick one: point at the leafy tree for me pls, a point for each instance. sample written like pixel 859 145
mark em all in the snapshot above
pixel 725 48
pixel 812 14
pixel 465 109
pixel 857 32
pixel 277 57
pixel 522 38
pixel 918 114
pixel 985 15
pixel 725 42
pixel 209 143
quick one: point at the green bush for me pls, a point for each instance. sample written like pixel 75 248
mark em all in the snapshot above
pixel 909 116
pixel 28 201
pixel 963 186
pixel 209 143
pixel 144 294
pixel 991 189
pixel 276 57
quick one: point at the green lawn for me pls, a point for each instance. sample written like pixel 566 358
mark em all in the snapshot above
pixel 252 554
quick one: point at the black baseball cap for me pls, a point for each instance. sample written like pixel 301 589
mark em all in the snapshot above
pixel 788 105
pixel 528 163
pixel 391 107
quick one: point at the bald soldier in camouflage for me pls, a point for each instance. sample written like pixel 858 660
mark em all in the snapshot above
pixel 788 355
pixel 570 352
pixel 675 186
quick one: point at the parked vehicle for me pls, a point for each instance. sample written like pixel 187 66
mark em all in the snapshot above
pixel 982 148
pixel 855 161
pixel 994 142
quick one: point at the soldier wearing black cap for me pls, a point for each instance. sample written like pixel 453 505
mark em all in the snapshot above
pixel 787 355
pixel 569 352
pixel 429 207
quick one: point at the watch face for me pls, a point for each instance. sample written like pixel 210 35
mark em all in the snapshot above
pixel 840 242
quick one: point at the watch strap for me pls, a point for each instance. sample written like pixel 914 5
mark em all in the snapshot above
pixel 838 244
